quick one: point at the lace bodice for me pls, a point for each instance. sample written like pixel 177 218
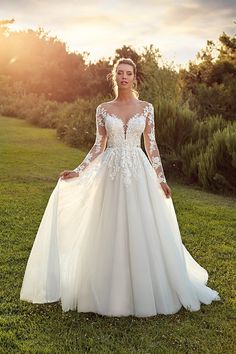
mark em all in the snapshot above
pixel 124 138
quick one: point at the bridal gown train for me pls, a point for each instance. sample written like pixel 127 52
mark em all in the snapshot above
pixel 109 240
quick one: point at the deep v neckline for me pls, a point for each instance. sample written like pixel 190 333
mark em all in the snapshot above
pixel 133 116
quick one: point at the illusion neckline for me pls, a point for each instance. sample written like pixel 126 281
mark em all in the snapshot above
pixel 130 118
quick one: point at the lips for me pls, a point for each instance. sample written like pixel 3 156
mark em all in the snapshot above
pixel 124 82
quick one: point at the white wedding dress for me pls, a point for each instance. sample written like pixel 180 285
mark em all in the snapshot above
pixel 109 241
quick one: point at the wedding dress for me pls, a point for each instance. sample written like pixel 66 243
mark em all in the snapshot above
pixel 109 241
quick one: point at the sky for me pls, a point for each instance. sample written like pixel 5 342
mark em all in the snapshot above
pixel 179 29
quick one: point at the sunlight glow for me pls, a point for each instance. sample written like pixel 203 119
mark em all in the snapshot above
pixel 12 61
pixel 179 29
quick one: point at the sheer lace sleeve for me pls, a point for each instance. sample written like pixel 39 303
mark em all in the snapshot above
pixel 100 141
pixel 151 145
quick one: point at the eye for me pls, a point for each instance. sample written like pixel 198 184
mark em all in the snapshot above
pixel 120 73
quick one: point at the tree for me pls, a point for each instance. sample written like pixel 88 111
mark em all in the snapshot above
pixel 209 84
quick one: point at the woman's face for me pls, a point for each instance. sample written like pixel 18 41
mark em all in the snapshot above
pixel 125 76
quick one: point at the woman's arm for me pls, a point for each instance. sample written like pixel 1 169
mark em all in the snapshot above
pixel 151 145
pixel 97 148
pixel 100 142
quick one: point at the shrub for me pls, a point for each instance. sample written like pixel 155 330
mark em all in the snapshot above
pixel 77 124
pixel 175 125
pixel 217 165
pixel 33 108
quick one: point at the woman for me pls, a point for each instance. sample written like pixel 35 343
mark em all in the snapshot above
pixel 109 241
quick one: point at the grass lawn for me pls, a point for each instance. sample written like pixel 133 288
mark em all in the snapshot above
pixel 31 159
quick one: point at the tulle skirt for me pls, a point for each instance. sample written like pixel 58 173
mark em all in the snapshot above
pixel 113 248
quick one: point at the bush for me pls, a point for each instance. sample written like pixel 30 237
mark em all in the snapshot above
pixel 211 160
pixel 201 152
pixel 216 99
pixel 209 126
pixel 77 124
pixel 217 165
pixel 189 157
pixel 33 108
pixel 175 125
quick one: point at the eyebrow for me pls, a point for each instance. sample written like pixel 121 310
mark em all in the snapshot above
pixel 126 70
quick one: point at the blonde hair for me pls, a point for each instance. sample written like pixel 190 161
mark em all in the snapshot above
pixel 112 75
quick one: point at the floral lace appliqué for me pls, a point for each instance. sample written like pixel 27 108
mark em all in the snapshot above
pixel 123 156
pixel 151 145
pixel 100 142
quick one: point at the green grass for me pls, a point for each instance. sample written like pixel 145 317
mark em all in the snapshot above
pixel 31 159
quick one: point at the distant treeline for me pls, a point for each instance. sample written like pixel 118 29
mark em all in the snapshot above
pixel 42 82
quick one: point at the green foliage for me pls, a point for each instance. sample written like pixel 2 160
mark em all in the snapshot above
pixel 160 80
pixel 211 160
pixel 94 81
pixel 208 127
pixel 42 82
pixel 175 124
pixel 42 64
pixel 210 84
pixel 76 122
pixel 189 157
pixel 207 224
pixel 199 139
pixel 217 99
pixel 33 108
pixel 217 164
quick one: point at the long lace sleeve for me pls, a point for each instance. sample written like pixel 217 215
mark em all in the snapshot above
pixel 151 145
pixel 100 141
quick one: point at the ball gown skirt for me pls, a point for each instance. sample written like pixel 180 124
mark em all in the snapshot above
pixel 109 243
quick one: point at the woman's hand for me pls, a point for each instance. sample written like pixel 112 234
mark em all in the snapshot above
pixel 166 189
pixel 68 174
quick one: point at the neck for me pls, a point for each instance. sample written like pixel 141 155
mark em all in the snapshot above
pixel 125 96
